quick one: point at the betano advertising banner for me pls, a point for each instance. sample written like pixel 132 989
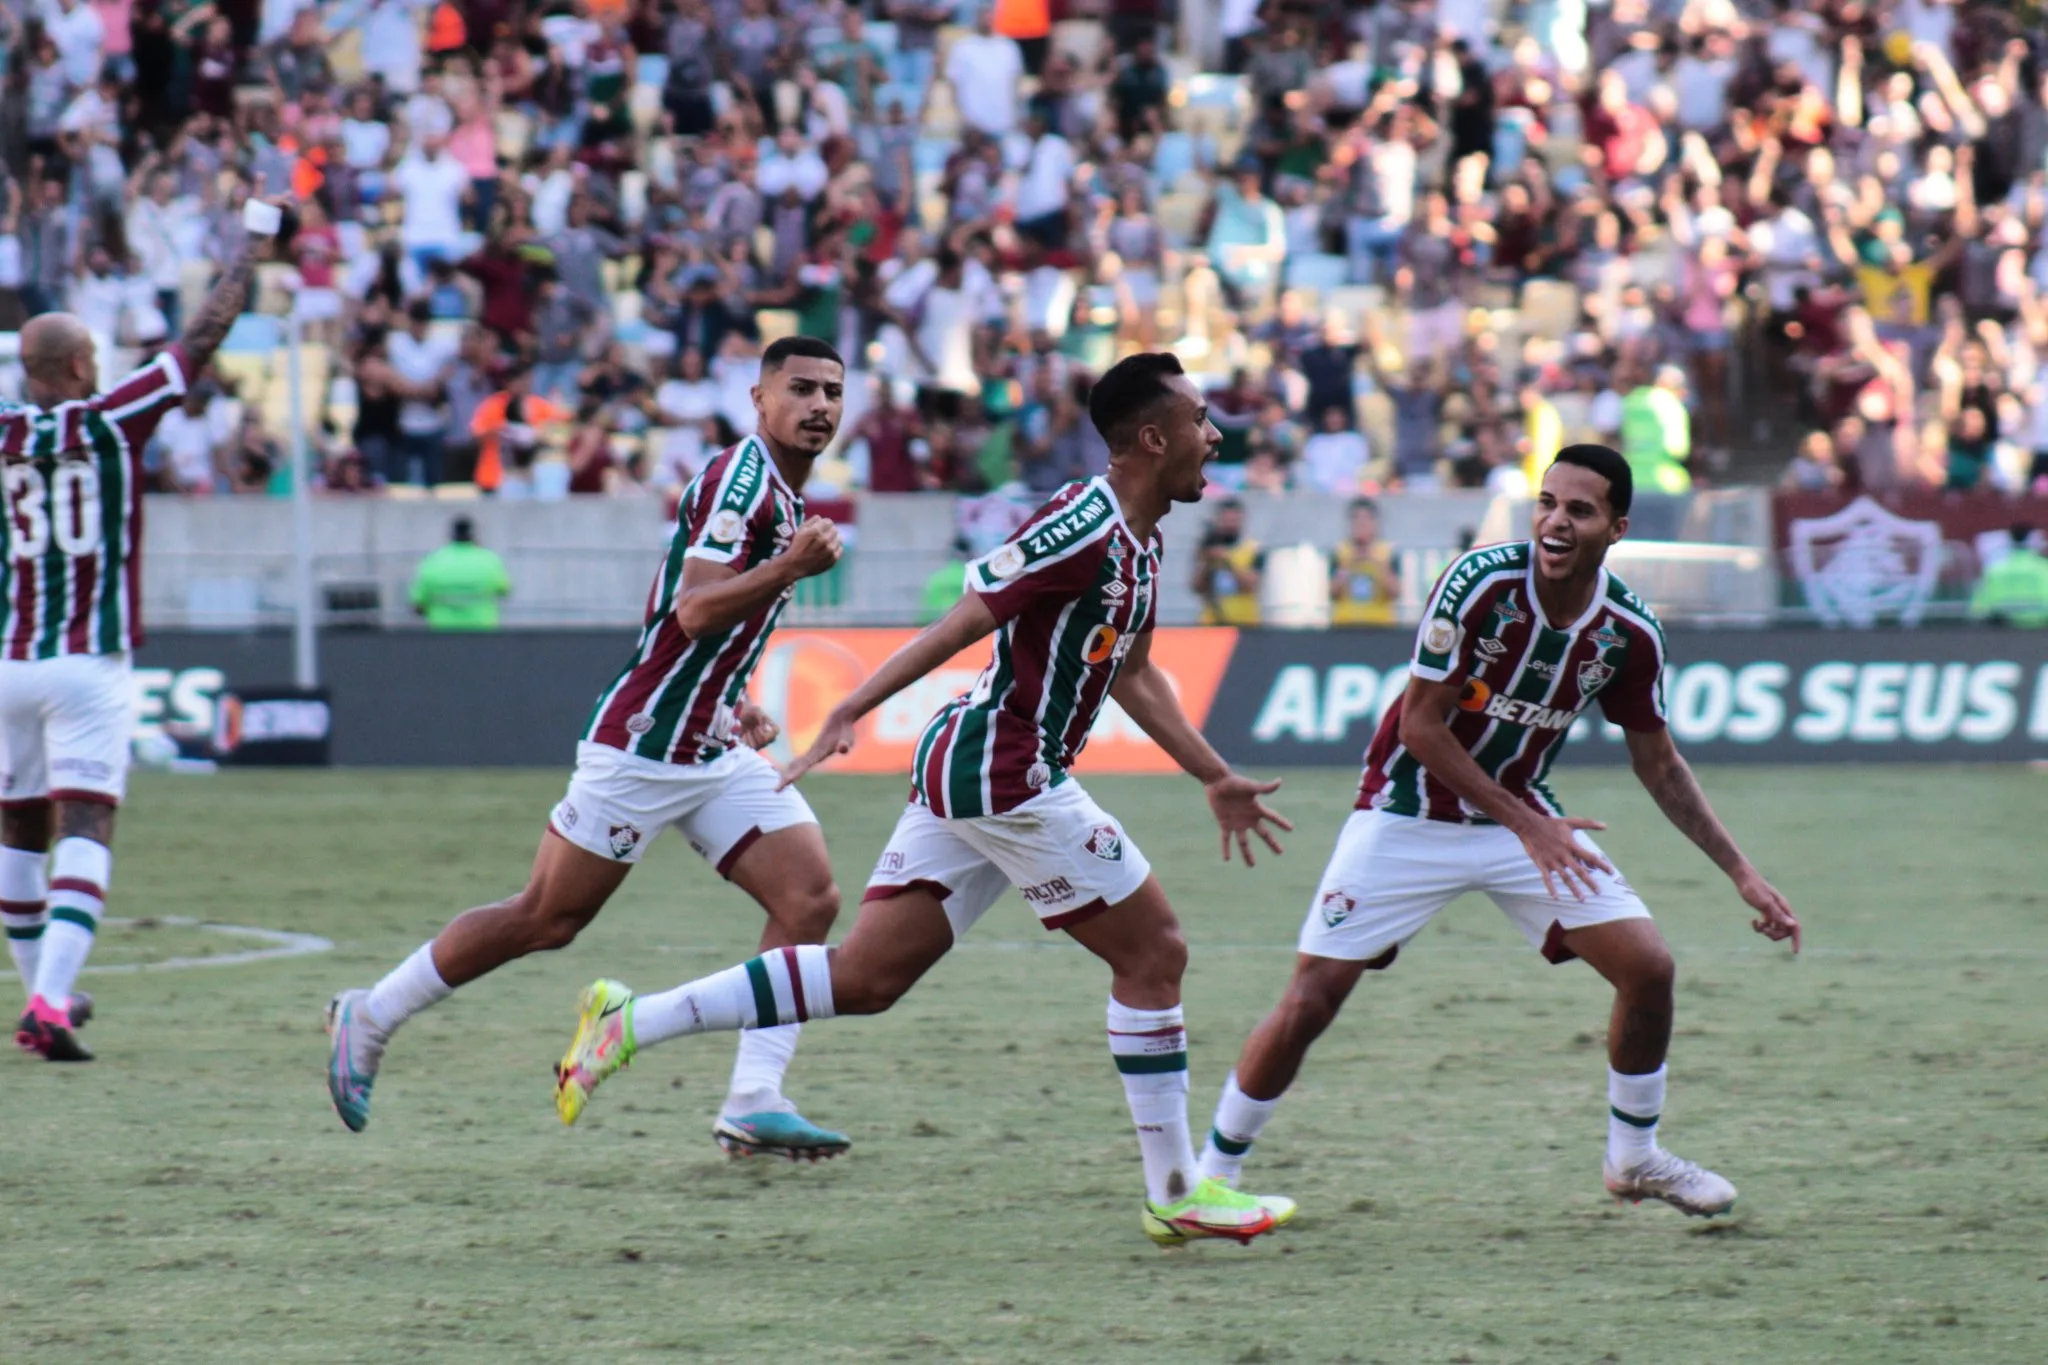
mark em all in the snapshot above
pixel 1265 698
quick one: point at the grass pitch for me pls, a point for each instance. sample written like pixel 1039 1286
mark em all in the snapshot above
pixel 191 1197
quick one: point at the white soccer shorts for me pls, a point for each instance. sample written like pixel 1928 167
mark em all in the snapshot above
pixel 1390 874
pixel 617 802
pixel 65 728
pixel 1066 856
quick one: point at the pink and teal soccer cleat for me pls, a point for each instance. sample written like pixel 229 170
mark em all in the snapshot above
pixel 355 1047
pixel 777 1133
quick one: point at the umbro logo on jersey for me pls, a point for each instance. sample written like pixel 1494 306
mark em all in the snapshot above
pixel 1114 589
pixel 1492 647
pixel 1337 907
pixel 625 838
pixel 1106 843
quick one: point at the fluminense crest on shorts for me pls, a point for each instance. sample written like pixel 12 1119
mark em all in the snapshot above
pixel 1106 843
pixel 625 838
pixel 1337 907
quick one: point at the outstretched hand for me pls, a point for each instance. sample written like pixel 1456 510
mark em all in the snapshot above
pixel 1553 845
pixel 835 736
pixel 1234 800
pixel 1775 919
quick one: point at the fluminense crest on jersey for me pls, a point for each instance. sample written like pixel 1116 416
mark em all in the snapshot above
pixel 676 699
pixel 1071 592
pixel 1524 681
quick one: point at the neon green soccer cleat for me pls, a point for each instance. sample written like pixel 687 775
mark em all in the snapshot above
pixel 603 1043
pixel 1213 1209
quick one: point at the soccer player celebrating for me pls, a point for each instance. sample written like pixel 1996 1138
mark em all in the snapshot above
pixel 70 615
pixel 673 741
pixel 1071 599
pixel 1516 640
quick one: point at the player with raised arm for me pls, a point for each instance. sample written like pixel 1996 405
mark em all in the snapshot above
pixel 1070 599
pixel 673 742
pixel 1515 642
pixel 70 617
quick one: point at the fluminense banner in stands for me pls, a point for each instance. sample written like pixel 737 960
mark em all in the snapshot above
pixel 1264 698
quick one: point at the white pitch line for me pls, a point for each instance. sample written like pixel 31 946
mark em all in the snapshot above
pixel 1197 947
pixel 283 943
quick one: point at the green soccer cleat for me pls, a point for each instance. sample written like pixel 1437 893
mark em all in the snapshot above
pixel 775 1133
pixel 603 1043
pixel 1213 1209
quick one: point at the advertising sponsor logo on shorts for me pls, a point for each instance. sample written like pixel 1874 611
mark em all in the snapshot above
pixel 1337 907
pixel 892 861
pixel 90 769
pixel 1048 892
pixel 566 816
pixel 624 839
pixel 1106 843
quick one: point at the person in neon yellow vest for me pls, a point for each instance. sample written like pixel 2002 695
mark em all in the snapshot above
pixel 1656 432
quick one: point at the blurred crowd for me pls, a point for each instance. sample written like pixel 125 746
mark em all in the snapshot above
pixel 1406 243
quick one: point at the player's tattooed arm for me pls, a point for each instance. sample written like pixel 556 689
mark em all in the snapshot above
pixel 211 324
pixel 1669 779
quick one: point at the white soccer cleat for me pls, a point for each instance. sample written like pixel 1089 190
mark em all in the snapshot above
pixel 1684 1185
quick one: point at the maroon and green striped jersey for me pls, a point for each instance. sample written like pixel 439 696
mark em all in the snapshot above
pixel 1071 591
pixel 1522 682
pixel 677 698
pixel 71 571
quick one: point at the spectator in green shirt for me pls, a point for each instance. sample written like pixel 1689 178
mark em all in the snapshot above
pixel 1656 433
pixel 2014 591
pixel 458 586
pixel 947 585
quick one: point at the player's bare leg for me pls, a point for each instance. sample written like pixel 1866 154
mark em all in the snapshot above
pixel 1632 955
pixel 1273 1054
pixel 80 869
pixel 563 893
pixel 24 893
pixel 789 873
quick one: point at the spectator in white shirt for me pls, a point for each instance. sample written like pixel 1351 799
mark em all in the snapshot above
pixel 97 296
pixel 188 443
pixel 163 230
pixel 984 70
pixel 792 164
pixel 1333 458
pixel 81 38
pixel 421 361
pixel 686 406
pixel 1046 185
pixel 433 185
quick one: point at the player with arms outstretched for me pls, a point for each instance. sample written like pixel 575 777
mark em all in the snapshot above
pixel 673 741
pixel 1516 641
pixel 1070 599
pixel 70 616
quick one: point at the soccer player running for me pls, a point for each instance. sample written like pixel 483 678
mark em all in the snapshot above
pixel 70 616
pixel 1071 599
pixel 673 742
pixel 1515 642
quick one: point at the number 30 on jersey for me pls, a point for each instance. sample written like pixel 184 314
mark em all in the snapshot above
pixel 66 505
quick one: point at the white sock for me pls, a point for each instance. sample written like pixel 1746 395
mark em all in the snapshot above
pixel 1634 1103
pixel 1239 1118
pixel 412 986
pixel 24 908
pixel 784 986
pixel 80 870
pixel 764 1056
pixel 1150 1048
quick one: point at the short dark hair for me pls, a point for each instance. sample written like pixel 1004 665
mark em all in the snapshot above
pixel 1609 465
pixel 462 529
pixel 1127 393
pixel 2021 532
pixel 788 348
pixel 1365 505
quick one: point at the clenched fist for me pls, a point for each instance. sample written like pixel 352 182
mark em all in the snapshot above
pixel 816 547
